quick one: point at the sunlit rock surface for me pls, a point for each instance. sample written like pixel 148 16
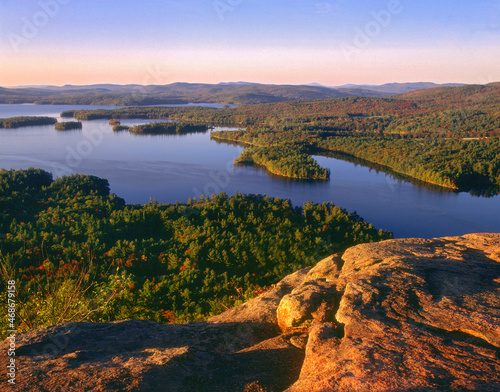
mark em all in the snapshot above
pixel 400 315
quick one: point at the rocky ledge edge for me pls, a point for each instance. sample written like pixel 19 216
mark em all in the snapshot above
pixel 399 315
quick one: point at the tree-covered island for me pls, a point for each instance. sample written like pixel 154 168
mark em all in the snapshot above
pixel 168 128
pixel 68 125
pixel 288 160
pixel 160 128
pixel 25 121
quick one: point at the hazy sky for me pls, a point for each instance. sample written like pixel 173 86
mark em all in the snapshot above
pixel 268 41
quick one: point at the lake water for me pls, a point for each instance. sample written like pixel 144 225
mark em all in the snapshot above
pixel 174 168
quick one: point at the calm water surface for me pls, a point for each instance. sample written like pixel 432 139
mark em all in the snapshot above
pixel 174 168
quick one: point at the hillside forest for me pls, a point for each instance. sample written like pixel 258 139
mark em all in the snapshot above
pixel 78 252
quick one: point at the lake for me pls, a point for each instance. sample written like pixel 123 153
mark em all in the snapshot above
pixel 173 168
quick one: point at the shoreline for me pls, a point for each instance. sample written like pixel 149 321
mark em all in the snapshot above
pixel 319 150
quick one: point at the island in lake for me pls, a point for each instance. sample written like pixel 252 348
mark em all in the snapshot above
pixel 68 125
pixel 26 121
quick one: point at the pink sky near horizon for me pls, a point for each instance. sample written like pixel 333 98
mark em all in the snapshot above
pixel 267 65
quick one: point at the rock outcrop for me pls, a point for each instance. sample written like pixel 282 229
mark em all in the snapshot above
pixel 400 315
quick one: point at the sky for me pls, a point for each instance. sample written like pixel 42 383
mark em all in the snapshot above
pixel 57 42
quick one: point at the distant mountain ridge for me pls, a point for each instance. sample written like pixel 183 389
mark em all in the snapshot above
pixel 398 88
pixel 242 93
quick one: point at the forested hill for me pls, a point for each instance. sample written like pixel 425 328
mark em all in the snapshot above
pixel 481 98
pixel 176 93
pixel 486 97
